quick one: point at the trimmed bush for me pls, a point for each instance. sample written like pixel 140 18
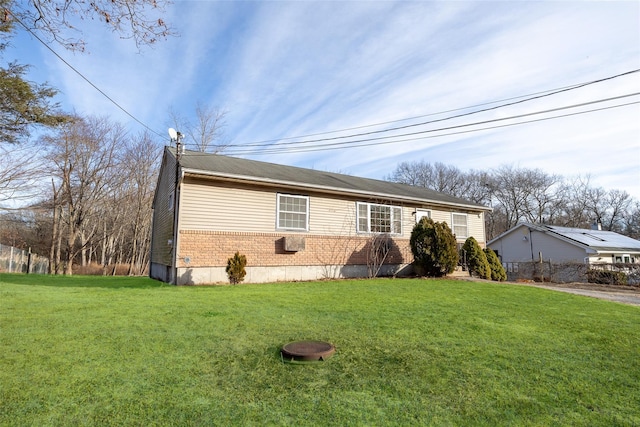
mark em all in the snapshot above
pixel 497 270
pixel 476 259
pixel 434 248
pixel 235 268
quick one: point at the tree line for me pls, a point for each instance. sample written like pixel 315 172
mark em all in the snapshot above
pixel 528 195
pixel 90 183
pixel 94 185
pixel 87 183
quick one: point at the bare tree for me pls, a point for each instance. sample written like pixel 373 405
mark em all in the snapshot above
pixel 19 171
pixel 532 195
pixel 82 157
pixel 378 248
pixel 575 196
pixel 618 204
pixel 206 131
pixel 542 195
pixel 632 221
pixel 139 161
pixel 138 20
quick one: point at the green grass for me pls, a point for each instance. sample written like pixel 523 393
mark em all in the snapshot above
pixel 131 351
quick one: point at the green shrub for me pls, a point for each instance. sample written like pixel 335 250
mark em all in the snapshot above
pixel 497 270
pixel 434 248
pixel 235 268
pixel 476 259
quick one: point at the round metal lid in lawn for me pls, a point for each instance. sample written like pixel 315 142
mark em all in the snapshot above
pixel 307 351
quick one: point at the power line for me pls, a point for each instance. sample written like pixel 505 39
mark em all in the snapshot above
pixel 530 97
pixel 269 143
pixel 368 142
pixel 83 77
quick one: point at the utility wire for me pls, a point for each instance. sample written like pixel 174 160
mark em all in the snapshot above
pixel 82 76
pixel 453 127
pixel 531 97
pixel 368 142
pixel 324 148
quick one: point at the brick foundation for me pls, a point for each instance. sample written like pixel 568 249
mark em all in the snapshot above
pixel 213 249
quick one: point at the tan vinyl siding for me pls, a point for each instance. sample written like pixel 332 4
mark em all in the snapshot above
pixel 476 227
pixel 475 221
pixel 234 207
pixel 243 209
pixel 225 208
pixel 441 216
pixel 332 217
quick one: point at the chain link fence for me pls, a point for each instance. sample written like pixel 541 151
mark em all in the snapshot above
pixel 14 260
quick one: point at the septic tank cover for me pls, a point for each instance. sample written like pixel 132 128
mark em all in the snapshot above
pixel 308 350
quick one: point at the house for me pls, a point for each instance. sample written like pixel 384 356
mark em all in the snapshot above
pixel 530 242
pixel 291 223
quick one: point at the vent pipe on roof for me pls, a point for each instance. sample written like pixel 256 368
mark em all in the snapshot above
pixel 596 225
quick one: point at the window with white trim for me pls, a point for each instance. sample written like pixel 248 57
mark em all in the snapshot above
pixel 460 227
pixel 374 218
pixel 293 212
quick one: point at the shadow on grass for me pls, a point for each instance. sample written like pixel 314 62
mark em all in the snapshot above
pixel 110 282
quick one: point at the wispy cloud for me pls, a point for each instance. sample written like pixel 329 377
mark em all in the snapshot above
pixel 283 69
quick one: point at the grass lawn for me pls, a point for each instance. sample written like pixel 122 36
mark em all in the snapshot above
pixel 131 351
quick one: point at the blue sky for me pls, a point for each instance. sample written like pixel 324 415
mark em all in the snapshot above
pixel 286 69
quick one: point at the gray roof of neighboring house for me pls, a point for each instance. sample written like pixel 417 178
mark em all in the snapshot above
pixel 252 170
pixel 599 240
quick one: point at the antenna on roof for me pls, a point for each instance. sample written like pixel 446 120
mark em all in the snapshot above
pixel 177 137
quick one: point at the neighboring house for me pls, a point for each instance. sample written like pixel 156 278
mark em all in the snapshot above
pixel 529 242
pixel 290 223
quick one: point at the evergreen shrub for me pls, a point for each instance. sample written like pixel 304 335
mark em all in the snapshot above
pixel 434 248
pixel 236 268
pixel 476 259
pixel 497 270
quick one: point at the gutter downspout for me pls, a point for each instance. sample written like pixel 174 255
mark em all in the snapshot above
pixel 531 244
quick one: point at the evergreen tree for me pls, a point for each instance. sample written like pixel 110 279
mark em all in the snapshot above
pixel 235 268
pixel 497 270
pixel 476 259
pixel 434 247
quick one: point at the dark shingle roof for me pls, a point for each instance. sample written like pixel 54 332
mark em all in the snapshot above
pixel 233 167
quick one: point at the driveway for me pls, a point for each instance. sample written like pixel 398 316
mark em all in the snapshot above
pixel 624 296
